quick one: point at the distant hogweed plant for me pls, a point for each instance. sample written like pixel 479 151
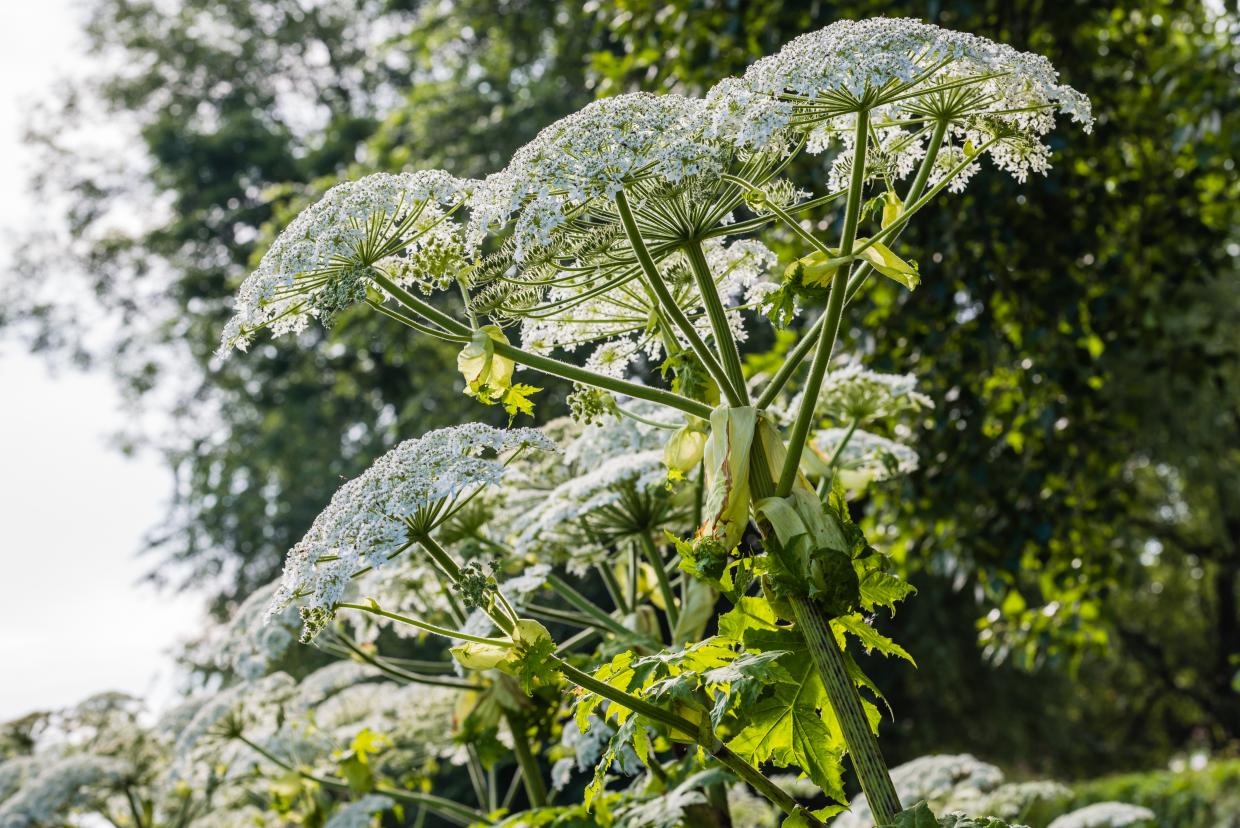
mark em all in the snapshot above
pixel 574 571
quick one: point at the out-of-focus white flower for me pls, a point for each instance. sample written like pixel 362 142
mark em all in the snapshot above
pixel 77 777
pixel 251 641
pixel 318 265
pixel 325 682
pixel 1010 801
pixel 360 813
pixel 1104 815
pixel 205 742
pixel 854 395
pixel 15 771
pixel 934 779
pixel 377 515
pixel 865 458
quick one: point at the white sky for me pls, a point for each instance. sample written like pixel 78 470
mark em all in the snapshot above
pixel 73 511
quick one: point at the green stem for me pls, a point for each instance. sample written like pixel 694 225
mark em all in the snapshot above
pixel 392 670
pixel 453 571
pixel 839 450
pixel 777 795
pixel 614 590
pixel 725 343
pixel 655 282
pixel 446 808
pixel 863 749
pixel 794 358
pixel 835 308
pixel 588 607
pixel 477 777
pixel 660 573
pixel 426 625
pixel 133 808
pixel 535 789
pixel 559 616
pixel 544 364
pixel 842 694
pixel 792 361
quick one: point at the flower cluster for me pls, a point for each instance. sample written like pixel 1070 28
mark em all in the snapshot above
pixel 319 263
pixel 402 496
pixel 611 485
pixel 1104 815
pixel 43 797
pixel 855 395
pixel 908 73
pixel 580 162
pixel 860 458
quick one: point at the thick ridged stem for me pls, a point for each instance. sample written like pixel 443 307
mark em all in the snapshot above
pixel 862 743
pixel 863 750
pixel 654 281
pixel 531 775
pixel 725 342
pixel 835 309
pixel 547 365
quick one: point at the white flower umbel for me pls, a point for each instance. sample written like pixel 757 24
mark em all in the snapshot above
pixel 77 777
pixel 319 265
pixel 583 160
pixel 862 458
pixel 403 496
pixel 1105 815
pixel 611 483
pixel 360 813
pixel 910 74
pixel 853 394
pixel 252 641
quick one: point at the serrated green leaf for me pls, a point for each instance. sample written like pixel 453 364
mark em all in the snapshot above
pixel 870 638
pixel 787 730
pixel 882 589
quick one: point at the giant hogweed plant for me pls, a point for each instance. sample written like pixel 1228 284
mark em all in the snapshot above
pixel 624 244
